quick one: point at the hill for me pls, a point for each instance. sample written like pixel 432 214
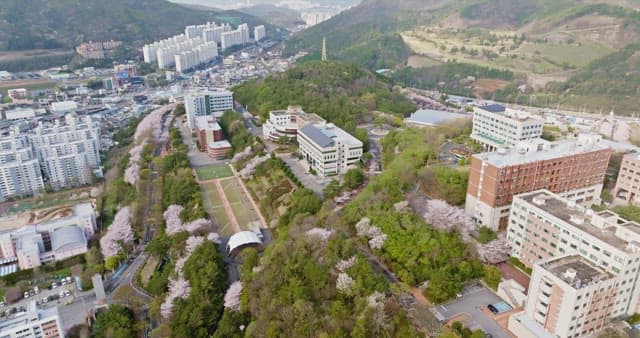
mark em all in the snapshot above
pixel 341 93
pixel 559 49
pixel 279 16
pixel 33 24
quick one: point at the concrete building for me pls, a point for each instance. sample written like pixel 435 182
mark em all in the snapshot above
pixel 285 123
pixel 207 131
pixel 328 149
pixel 63 107
pixel 544 226
pixel 259 33
pixel 571 296
pixel 50 239
pixel 69 152
pixel 20 173
pixel 231 38
pixel 244 29
pixel 19 113
pixel 627 189
pixel 205 103
pixel 495 126
pixel 574 168
pixel 197 46
pixel 18 93
pixel 33 323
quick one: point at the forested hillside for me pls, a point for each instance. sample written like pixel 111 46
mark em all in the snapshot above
pixel 567 52
pixel 340 92
pixel 31 24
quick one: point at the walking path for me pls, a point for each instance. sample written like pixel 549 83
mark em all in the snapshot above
pixel 246 191
pixel 227 207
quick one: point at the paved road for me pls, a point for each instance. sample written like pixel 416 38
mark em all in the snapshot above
pixel 471 303
pixel 315 183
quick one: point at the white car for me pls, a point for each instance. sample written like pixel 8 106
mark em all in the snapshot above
pixel 61 294
pixel 67 293
pixel 54 285
pixel 26 294
pixel 69 280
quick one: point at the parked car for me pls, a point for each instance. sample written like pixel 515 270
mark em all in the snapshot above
pixel 69 280
pixel 67 293
pixel 54 285
pixel 36 290
pixel 26 294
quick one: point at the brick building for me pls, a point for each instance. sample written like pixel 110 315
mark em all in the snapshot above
pixel 574 168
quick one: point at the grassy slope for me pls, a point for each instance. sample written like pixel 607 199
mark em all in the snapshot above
pixel 28 24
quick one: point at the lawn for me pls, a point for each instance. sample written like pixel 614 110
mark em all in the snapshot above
pixel 212 203
pixel 213 171
pixel 240 203
pixel 148 269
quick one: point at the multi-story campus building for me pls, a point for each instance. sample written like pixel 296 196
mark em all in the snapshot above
pixel 574 168
pixel 69 153
pixel 328 149
pixel 62 234
pixel 205 103
pixel 210 137
pixel 544 226
pixel 33 323
pixel 495 126
pixel 627 188
pixel 285 123
pixel 20 173
pixel 568 297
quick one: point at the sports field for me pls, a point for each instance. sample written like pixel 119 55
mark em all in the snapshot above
pixel 228 205
pixel 211 172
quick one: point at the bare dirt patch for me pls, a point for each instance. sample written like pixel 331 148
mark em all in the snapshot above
pixel 481 86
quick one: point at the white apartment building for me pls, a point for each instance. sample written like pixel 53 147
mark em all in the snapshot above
pixel 285 123
pixel 68 152
pixel 22 113
pixel 20 173
pixel 33 323
pixel 259 33
pixel 231 38
pixel 328 149
pixel 544 226
pixel 495 126
pixel 206 103
pixel 244 29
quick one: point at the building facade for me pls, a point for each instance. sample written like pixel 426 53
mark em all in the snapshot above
pixel 574 168
pixel 69 152
pixel 33 323
pixel 328 149
pixel 571 297
pixel 231 38
pixel 285 123
pixel 20 173
pixel 259 33
pixel 495 126
pixel 627 189
pixel 544 226
pixel 206 103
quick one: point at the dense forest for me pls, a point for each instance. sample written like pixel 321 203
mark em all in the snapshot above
pixel 339 92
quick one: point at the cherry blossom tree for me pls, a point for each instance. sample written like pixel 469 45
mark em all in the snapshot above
pixel 494 252
pixel 250 167
pixel 346 263
pixel 375 234
pixel 445 217
pixel 178 288
pixel 172 219
pixel 345 283
pixel 153 123
pixel 241 155
pixel 119 232
pixel 319 233
pixel 214 237
pixel 193 242
pixel 232 297
pixel 196 225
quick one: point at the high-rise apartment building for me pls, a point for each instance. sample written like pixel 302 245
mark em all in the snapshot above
pixel 20 173
pixel 33 323
pixel 574 168
pixel 68 152
pixel 244 29
pixel 206 103
pixel 573 296
pixel 495 126
pixel 259 33
pixel 231 38
pixel 627 190
pixel 328 149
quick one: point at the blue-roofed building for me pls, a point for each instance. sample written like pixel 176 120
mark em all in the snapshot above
pixel 328 149
pixel 495 126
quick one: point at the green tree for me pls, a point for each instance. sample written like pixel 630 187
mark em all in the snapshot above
pixel 486 235
pixel 332 189
pixel 116 321
pixel 492 276
pixel 353 178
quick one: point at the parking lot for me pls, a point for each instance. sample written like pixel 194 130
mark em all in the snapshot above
pixel 473 300
pixel 312 182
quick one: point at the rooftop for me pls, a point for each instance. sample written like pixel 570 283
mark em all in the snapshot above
pixel 494 108
pixel 533 326
pixel 541 150
pixel 325 134
pixel 578 216
pixel 219 144
pixel 433 117
pixel 207 123
pixel 576 271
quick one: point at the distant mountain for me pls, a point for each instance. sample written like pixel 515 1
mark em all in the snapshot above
pixel 563 51
pixel 278 16
pixel 30 24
